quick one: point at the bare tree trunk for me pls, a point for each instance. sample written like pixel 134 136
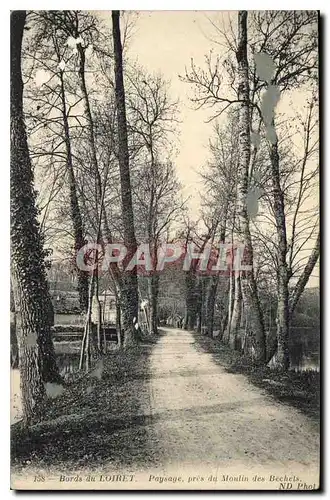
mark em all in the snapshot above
pixel 199 320
pixel 91 349
pixel 79 240
pixel 118 320
pixel 302 282
pixel 211 293
pixel 200 299
pixel 283 359
pixel 153 290
pixel 249 288
pixel 31 295
pixel 223 323
pixel 272 348
pixel 99 328
pixel 185 321
pixel 90 343
pixel 199 292
pixel 30 362
pixel 91 138
pixel 129 291
pixel 190 317
pixel 236 314
pixel 105 230
pixel 14 362
pixel 214 281
pixel 231 294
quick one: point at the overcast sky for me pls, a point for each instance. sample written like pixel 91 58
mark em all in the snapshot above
pixel 166 42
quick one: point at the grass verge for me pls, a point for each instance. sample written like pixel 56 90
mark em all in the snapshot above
pixel 93 422
pixel 299 389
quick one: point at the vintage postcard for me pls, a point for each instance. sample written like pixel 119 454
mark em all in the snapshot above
pixel 164 291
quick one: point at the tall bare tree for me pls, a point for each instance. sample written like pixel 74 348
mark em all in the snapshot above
pixel 288 67
pixel 79 236
pixel 249 288
pixel 129 287
pixel 36 351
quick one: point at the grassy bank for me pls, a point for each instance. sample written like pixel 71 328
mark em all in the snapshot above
pixel 90 421
pixel 299 389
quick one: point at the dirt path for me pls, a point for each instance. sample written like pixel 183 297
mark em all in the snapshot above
pixel 173 419
pixel 215 423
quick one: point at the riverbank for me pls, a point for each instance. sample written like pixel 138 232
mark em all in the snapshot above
pixel 298 389
pixel 75 429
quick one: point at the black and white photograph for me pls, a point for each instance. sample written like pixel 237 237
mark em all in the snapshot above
pixel 164 250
